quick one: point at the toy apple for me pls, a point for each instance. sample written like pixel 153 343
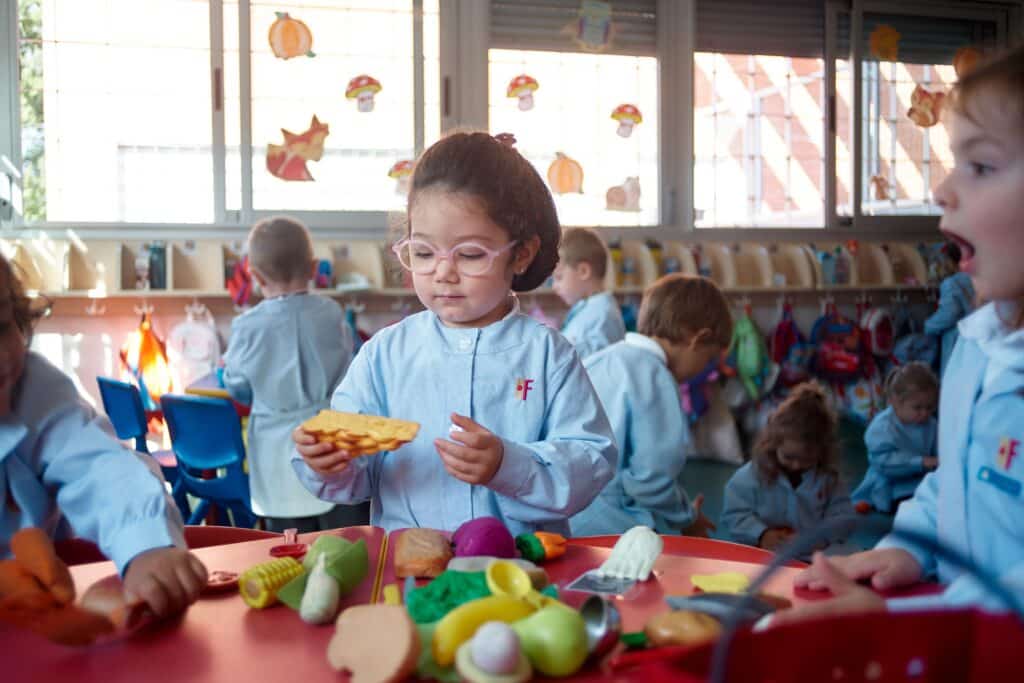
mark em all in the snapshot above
pixel 554 639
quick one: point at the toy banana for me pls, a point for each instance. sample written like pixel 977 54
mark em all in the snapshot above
pixel 461 623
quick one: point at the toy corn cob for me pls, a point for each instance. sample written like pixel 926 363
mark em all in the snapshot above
pixel 540 546
pixel 259 585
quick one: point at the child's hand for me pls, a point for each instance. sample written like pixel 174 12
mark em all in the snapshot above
pixel 476 457
pixel 166 579
pixel 322 458
pixel 773 539
pixel 930 462
pixel 849 596
pixel 886 567
pixel 701 525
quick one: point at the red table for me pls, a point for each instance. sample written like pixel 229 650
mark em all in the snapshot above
pixel 220 639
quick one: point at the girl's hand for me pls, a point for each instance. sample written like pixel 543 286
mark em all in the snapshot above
pixel 167 579
pixel 773 539
pixel 322 458
pixel 930 462
pixel 886 567
pixel 701 526
pixel 849 596
pixel 476 457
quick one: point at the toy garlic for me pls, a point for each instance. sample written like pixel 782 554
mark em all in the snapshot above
pixel 320 600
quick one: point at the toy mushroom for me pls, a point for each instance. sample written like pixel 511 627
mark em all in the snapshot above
pixel 522 86
pixel 362 88
pixel 401 171
pixel 628 116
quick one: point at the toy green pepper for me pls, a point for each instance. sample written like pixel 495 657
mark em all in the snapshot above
pixel 540 546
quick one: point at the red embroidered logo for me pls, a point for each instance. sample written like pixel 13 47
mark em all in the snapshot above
pixel 523 387
pixel 1007 452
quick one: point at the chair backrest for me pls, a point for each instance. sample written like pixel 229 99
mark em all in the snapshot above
pixel 205 432
pixel 123 405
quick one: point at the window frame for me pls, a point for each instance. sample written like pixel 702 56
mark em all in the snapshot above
pixel 464 45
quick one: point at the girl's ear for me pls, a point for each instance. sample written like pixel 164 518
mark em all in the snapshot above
pixel 584 270
pixel 525 252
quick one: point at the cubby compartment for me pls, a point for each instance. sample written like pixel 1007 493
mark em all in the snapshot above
pixel 753 264
pixel 631 265
pixel 908 266
pixel 92 267
pixel 873 265
pixel 197 266
pixel 143 265
pixel 716 261
pixel 355 264
pixel 792 266
pixel 834 265
pixel 677 257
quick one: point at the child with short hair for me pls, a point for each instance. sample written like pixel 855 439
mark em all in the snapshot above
pixel 900 439
pixel 510 426
pixel 62 470
pixel 956 301
pixel 792 482
pixel 974 501
pixel 684 322
pixel 285 356
pixel 594 320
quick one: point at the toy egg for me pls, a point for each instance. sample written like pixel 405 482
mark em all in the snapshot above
pixel 495 648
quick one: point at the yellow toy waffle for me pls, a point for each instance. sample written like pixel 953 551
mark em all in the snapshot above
pixel 360 434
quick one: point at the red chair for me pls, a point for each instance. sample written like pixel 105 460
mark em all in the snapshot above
pixel 702 547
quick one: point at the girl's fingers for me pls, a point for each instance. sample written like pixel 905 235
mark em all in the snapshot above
pixel 454 450
pixel 470 439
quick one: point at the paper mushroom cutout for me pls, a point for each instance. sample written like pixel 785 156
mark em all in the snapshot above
pixel 362 88
pixel 628 115
pixel 925 107
pixel 401 171
pixel 290 37
pixel 565 175
pixel 522 86
pixel 965 59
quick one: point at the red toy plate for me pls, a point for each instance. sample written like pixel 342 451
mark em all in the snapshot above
pixel 296 550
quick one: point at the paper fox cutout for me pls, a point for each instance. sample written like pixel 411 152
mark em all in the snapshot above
pixel 288 161
pixel 925 107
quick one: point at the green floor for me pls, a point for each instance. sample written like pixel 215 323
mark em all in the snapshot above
pixel 710 476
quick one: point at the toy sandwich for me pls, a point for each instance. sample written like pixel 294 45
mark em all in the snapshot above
pixel 360 434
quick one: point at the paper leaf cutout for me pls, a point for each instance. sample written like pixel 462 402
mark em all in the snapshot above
pixel 290 37
pixel 288 161
pixel 885 43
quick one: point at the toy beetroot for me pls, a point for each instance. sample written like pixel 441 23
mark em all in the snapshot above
pixel 483 536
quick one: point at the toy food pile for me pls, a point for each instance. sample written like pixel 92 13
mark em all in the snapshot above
pixel 360 434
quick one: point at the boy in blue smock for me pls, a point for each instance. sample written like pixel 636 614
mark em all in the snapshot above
pixel 594 320
pixel 285 357
pixel 510 426
pixel 684 322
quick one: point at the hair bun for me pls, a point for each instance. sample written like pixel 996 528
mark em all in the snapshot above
pixel 507 139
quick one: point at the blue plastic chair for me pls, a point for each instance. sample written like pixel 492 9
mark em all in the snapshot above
pixel 123 405
pixel 206 435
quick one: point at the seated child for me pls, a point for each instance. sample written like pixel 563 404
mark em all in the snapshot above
pixel 956 300
pixel 684 322
pixel 510 426
pixel 62 470
pixel 285 357
pixel 594 320
pixel 900 439
pixel 792 482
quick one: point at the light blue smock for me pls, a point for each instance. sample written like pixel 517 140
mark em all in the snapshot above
pixel 896 453
pixel 956 301
pixel 594 323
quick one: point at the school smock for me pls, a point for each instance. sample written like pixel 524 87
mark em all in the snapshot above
pixel 641 399
pixel 896 453
pixel 752 506
pixel 974 501
pixel 285 357
pixel 594 323
pixel 517 378
pixel 956 300
pixel 63 470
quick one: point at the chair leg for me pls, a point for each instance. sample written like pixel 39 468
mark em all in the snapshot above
pixel 199 513
pixel 181 499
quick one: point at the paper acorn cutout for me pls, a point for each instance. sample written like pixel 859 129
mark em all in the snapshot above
pixel 628 116
pixel 965 59
pixel 362 88
pixel 290 37
pixel 522 86
pixel 565 175
pixel 925 107
pixel 401 171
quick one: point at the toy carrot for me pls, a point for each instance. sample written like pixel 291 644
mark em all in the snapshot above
pixel 540 545
pixel 33 550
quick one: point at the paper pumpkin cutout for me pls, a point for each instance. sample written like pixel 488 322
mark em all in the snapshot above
pixel 288 161
pixel 628 116
pixel 565 175
pixel 362 88
pixel 884 43
pixel 880 187
pixel 290 37
pixel 593 29
pixel 965 59
pixel 925 107
pixel 624 197
pixel 401 171
pixel 522 86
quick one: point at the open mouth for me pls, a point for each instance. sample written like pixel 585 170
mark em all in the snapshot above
pixel 966 250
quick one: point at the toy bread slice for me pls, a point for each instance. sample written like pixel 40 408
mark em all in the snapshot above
pixel 360 434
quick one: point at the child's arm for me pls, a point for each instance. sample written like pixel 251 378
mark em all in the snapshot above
pixel 240 347
pixel 888 457
pixel 559 475
pixel 917 514
pixel 949 311
pixel 739 511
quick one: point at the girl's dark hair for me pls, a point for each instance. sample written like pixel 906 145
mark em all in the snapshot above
pixel 804 416
pixel 508 188
pixel 24 313
pixel 913 377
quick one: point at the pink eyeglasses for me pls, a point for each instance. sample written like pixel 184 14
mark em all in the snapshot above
pixel 470 259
